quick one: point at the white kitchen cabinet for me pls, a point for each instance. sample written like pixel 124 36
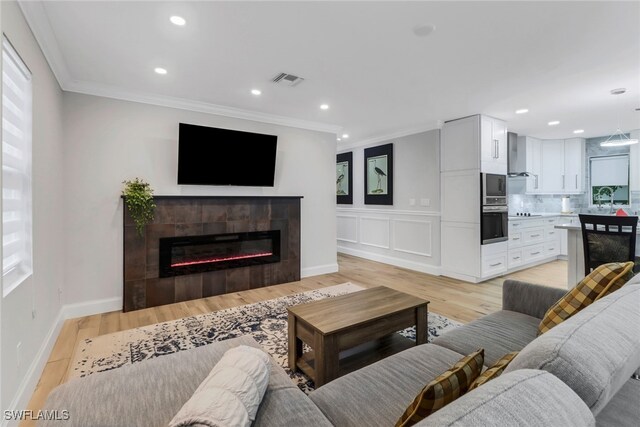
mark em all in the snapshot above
pixel 460 144
pixel 468 147
pixel 574 165
pixel 534 163
pixel 552 173
pixel 460 196
pixel 634 163
pixel 494 259
pixel 558 166
pixel 493 143
pixel 461 255
pixel 532 241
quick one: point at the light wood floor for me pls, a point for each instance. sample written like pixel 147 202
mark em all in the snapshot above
pixel 451 298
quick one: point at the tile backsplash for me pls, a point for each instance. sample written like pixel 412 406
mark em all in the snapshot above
pixel 545 203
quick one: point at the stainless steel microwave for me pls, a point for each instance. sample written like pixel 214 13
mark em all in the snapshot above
pixel 494 189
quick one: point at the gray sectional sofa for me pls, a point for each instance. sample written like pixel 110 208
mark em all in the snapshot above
pixel 577 374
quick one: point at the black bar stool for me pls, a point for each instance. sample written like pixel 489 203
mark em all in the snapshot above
pixel 608 239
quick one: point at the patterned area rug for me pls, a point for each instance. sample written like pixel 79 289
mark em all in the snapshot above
pixel 265 321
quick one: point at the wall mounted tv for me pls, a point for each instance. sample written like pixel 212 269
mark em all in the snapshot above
pixel 213 156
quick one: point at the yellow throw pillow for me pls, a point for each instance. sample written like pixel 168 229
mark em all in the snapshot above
pixel 603 280
pixel 495 371
pixel 444 389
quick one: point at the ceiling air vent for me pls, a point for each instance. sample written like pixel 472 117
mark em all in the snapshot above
pixel 287 79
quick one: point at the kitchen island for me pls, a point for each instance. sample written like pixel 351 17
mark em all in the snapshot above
pixel 575 250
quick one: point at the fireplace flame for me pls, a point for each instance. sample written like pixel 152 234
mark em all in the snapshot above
pixel 221 259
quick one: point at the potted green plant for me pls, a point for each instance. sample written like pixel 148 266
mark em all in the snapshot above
pixel 138 197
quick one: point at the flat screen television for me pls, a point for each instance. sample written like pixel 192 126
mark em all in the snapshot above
pixel 213 156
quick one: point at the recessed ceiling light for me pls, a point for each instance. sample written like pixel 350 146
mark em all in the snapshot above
pixel 423 30
pixel 160 70
pixel 339 139
pixel 345 135
pixel 553 123
pixel 324 107
pixel 177 20
pixel 522 111
pixel 578 131
pixel 256 92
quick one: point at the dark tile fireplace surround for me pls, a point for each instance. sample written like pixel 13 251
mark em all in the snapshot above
pixel 200 246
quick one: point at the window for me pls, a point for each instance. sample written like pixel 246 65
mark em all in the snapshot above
pixel 609 180
pixel 16 169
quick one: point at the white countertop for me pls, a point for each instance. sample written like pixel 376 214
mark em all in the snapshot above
pixel 535 215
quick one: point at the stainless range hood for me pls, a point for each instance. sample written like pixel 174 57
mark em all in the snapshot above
pixel 517 156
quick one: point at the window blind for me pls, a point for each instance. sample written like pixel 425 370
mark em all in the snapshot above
pixel 16 169
pixel 608 171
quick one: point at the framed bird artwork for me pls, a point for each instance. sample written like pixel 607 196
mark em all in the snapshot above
pixel 378 175
pixel 344 178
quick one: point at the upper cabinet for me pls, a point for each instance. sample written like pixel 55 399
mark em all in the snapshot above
pixel 552 172
pixel 493 143
pixel 558 166
pixel 634 163
pixel 534 162
pixel 475 142
pixel 574 165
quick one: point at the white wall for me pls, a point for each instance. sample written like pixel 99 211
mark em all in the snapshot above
pixel 406 234
pixel 109 140
pixel 40 292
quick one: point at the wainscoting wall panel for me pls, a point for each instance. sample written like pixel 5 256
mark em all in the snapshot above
pixel 347 228
pixel 412 236
pixel 375 232
pixel 409 239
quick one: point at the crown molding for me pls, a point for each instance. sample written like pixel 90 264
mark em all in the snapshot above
pixel 36 17
pixel 38 21
pixel 108 91
pixel 436 124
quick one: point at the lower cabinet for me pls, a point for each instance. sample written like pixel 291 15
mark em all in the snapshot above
pixel 532 241
pixel 494 259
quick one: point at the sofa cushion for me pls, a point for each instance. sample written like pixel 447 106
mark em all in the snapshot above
pixel 594 352
pixel 522 398
pixel 151 392
pixel 231 393
pixel 623 409
pixel 444 389
pixel 603 280
pixel 494 371
pixel 378 394
pixel 498 333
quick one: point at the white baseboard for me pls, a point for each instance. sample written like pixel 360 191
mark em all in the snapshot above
pixel 318 270
pixel 69 311
pixel 92 307
pixel 28 384
pixel 398 262
pixel 463 277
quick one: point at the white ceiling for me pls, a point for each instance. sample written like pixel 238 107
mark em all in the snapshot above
pixel 558 59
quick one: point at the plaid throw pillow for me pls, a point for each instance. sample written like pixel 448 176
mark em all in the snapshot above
pixel 444 389
pixel 603 280
pixel 495 371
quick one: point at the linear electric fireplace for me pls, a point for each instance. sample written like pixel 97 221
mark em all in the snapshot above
pixel 211 245
pixel 197 254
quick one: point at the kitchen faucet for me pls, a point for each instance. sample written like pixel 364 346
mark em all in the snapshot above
pixel 611 192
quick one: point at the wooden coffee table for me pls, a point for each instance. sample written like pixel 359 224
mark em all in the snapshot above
pixel 334 325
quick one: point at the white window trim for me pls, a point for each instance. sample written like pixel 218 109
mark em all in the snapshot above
pixel 15 276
